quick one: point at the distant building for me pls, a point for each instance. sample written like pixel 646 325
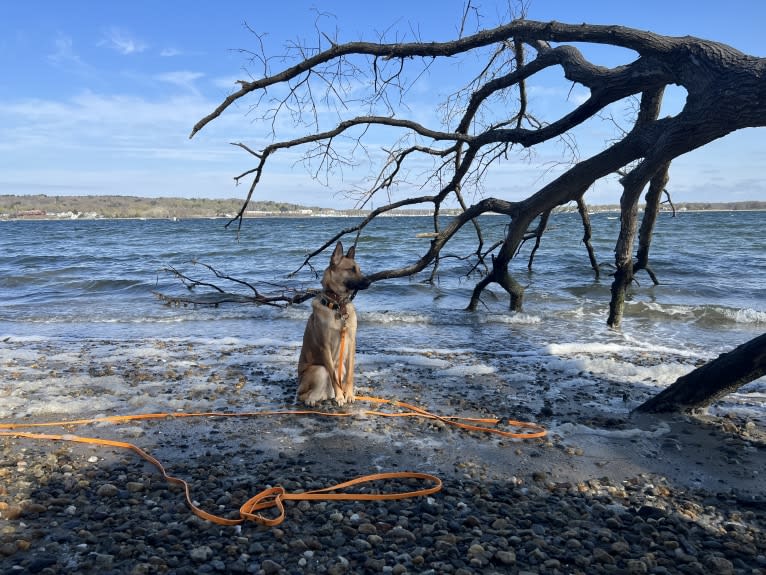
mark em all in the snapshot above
pixel 31 214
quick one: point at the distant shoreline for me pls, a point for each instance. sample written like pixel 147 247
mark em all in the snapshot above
pixel 43 207
pixel 4 218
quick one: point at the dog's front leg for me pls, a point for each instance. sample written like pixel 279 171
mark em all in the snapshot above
pixel 348 376
pixel 331 367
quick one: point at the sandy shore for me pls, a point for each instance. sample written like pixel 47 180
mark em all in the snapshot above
pixel 603 493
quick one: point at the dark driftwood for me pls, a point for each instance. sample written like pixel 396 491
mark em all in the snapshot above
pixel 712 381
pixel 213 295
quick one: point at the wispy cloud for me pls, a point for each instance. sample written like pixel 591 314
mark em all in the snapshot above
pixel 182 78
pixel 122 41
pixel 228 82
pixel 64 55
pixel 99 123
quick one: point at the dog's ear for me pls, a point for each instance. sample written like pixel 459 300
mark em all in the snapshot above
pixel 351 252
pixel 337 255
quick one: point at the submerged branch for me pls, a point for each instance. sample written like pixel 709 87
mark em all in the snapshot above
pixel 217 295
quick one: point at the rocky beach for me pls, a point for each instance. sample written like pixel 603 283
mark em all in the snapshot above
pixel 602 493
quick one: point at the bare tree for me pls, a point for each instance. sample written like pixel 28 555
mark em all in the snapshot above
pixel 366 87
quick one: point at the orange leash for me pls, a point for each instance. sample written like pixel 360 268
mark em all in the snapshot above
pixel 467 423
pixel 538 431
pixel 275 496
pixel 341 349
pixel 268 498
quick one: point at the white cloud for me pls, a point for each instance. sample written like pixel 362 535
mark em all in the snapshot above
pixel 107 143
pixel 104 130
pixel 182 78
pixel 122 41
pixel 228 82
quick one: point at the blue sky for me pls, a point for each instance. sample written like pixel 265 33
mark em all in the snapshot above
pixel 100 97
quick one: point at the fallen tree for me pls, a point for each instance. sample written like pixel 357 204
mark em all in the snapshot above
pixel 491 117
pixel 712 381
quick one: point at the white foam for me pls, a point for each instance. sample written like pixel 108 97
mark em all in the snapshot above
pixel 582 347
pixel 519 377
pixel 13 356
pixel 365 359
pixel 10 338
pixel 632 347
pixel 625 371
pixel 747 316
pixel 468 370
pixel 386 317
pixel 428 351
pixel 635 344
pixel 74 407
pixel 290 357
pixel 512 318
pixel 131 431
pixel 569 429
pixel 671 310
pixel 41 376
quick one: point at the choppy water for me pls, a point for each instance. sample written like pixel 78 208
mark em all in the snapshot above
pixel 74 281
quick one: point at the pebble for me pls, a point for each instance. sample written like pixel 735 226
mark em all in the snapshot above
pixel 270 567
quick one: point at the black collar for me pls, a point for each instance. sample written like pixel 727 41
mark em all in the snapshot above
pixel 325 301
pixel 333 301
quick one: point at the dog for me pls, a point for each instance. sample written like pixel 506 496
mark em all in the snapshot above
pixel 330 332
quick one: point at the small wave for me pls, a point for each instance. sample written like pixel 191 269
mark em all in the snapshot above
pixel 14 338
pixel 704 314
pixel 108 285
pixel 102 320
pixel 511 318
pixel 748 315
pixel 447 317
pixel 386 317
pixel 664 311
pixel 583 347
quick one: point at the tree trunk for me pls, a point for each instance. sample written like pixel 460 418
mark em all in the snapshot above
pixel 623 258
pixel 712 381
pixel 582 208
pixel 653 197
pixel 502 276
pixel 651 101
pixel 538 234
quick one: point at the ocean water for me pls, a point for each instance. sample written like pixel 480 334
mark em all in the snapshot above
pixel 81 294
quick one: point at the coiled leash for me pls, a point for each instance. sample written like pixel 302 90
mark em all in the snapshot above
pixel 274 497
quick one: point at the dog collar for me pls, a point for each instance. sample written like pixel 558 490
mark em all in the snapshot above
pixel 331 301
pixel 333 305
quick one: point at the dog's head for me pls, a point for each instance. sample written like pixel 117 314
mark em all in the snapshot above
pixel 343 276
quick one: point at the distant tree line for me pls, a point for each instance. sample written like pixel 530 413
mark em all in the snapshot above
pixel 40 206
pixel 14 206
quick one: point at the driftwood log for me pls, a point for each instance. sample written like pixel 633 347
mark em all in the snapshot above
pixel 710 382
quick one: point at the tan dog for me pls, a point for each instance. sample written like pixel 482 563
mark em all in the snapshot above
pixel 331 327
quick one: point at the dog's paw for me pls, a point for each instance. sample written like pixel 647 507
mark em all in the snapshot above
pixel 340 400
pixel 309 399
